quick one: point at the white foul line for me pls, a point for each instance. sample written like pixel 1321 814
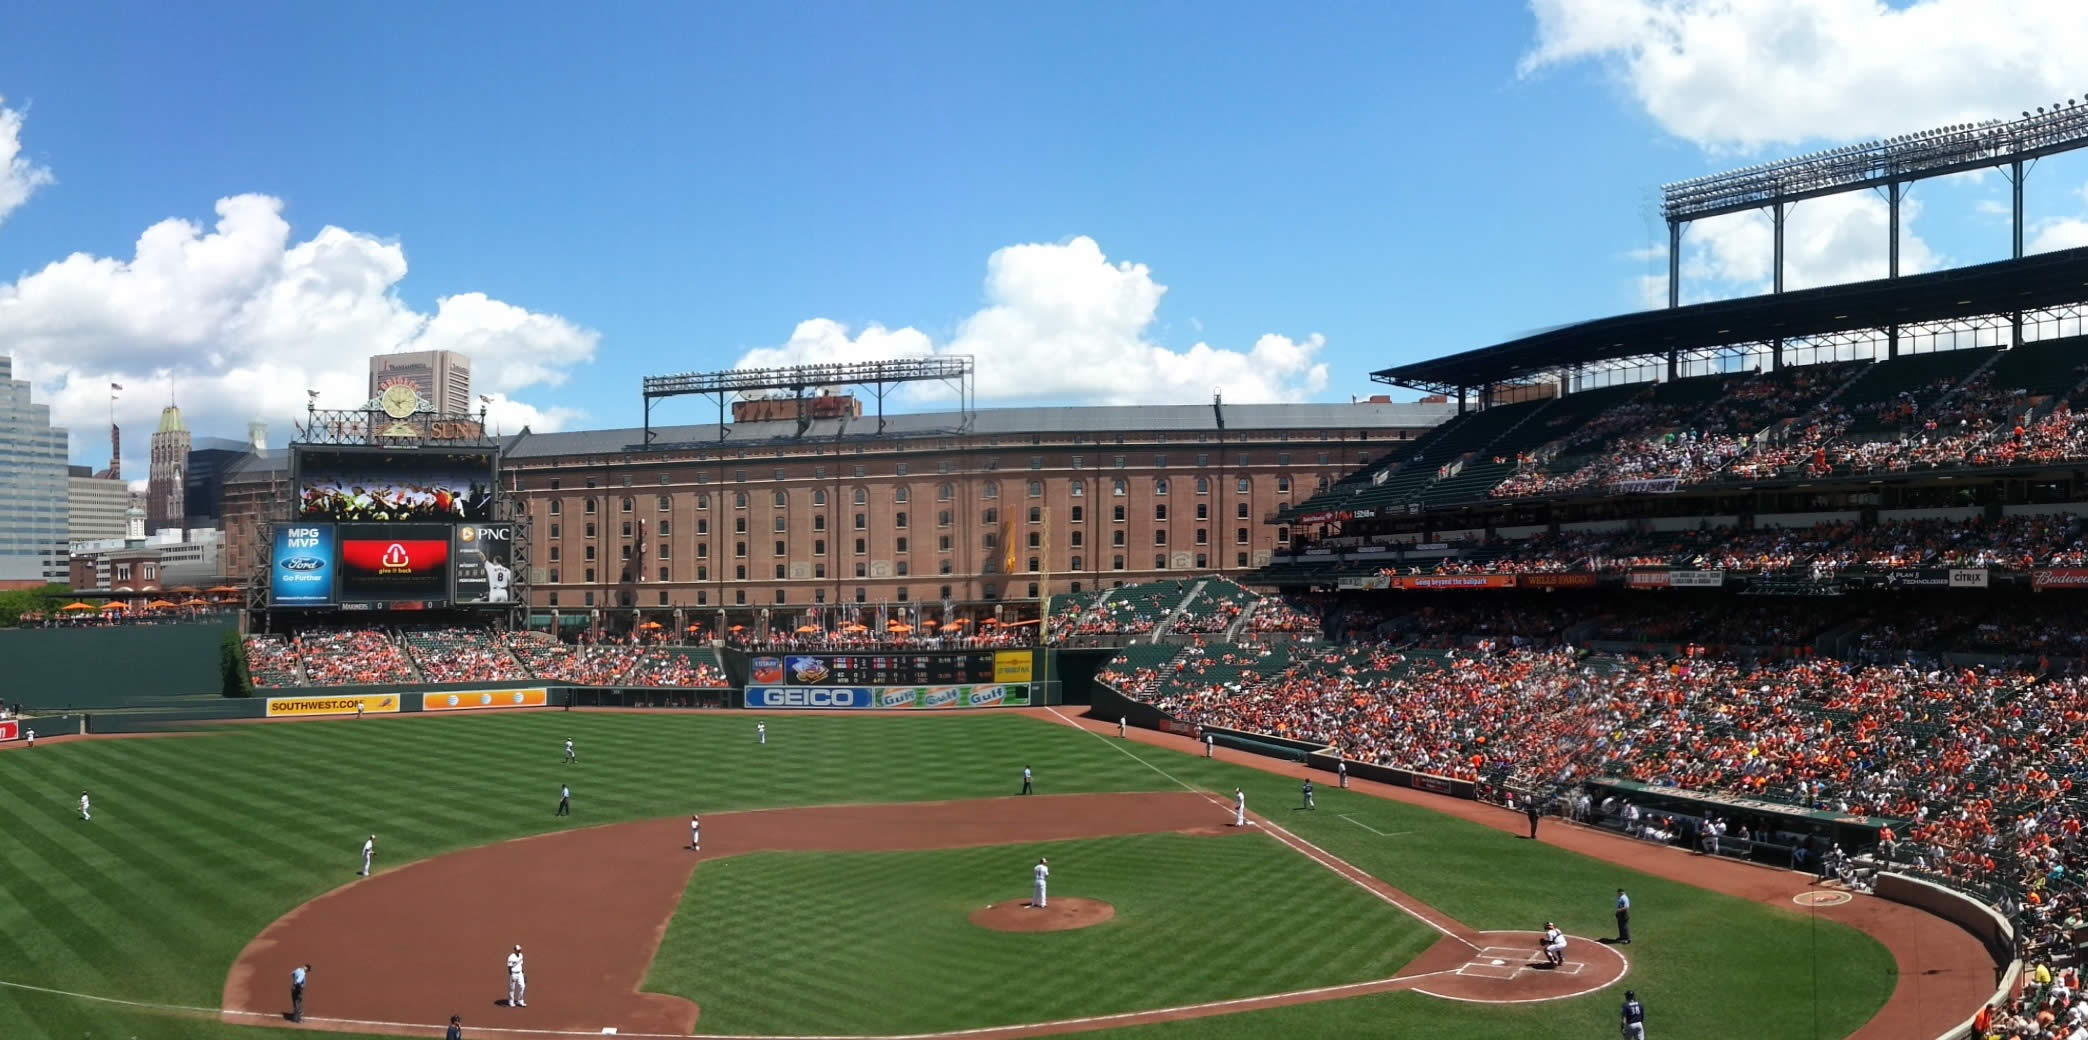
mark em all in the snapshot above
pixel 1372 829
pixel 1294 842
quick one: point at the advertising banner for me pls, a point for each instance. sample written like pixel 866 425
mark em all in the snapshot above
pixel 1558 580
pixel 1918 578
pixel 315 706
pixel 485 555
pixel 2059 579
pixel 9 730
pixel 1433 583
pixel 1647 579
pixel 1180 728
pixel 1377 582
pixel 811 696
pixel 490 699
pixel 1968 578
pixel 301 572
pixel 389 562
pixel 1696 578
pixel 1653 485
pixel 1016 666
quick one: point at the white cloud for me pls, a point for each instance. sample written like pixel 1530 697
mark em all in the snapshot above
pixel 19 178
pixel 1829 240
pixel 1062 322
pixel 241 319
pixel 1745 74
pixel 2058 234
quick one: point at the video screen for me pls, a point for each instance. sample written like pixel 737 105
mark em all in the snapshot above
pixel 302 568
pixel 485 564
pixel 383 563
pixel 419 486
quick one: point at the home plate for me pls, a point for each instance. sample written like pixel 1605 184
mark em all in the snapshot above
pixel 1498 963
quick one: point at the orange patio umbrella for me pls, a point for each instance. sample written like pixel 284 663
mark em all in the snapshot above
pixel 160 604
pixel 649 625
pixel 77 607
pixel 808 629
pixel 113 607
pixel 899 628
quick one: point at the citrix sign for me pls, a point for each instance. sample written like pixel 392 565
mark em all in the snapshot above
pixel 810 696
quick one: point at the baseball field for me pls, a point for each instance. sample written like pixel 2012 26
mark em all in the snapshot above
pixel 842 888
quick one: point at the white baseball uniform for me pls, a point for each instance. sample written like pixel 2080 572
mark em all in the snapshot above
pixel 569 750
pixel 518 985
pixel 761 732
pixel 695 834
pixel 369 849
pixel 1042 874
pixel 84 814
pixel 1121 725
pixel 32 737
pixel 1555 944
pixel 1239 808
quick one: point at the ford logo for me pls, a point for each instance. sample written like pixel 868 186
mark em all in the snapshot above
pixel 303 564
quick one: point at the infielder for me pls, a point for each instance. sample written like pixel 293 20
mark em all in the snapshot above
pixel 565 800
pixel 570 756
pixel 1041 873
pixel 1554 945
pixel 695 833
pixel 518 985
pixel 84 813
pixel 369 849
pixel 1028 784
pixel 1308 795
pixel 1634 1016
pixel 761 733
pixel 1341 771
pixel 1239 807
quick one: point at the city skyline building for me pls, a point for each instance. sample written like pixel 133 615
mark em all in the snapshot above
pixel 35 508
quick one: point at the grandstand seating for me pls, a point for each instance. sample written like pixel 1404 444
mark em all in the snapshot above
pixel 272 662
pixel 463 654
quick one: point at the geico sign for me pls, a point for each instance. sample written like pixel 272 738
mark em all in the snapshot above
pixel 808 697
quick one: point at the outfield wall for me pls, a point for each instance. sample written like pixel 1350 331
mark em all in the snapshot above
pixel 1983 921
pixel 98 668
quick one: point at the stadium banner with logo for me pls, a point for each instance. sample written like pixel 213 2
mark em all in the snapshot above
pixel 485 554
pixel 885 697
pixel 1917 577
pixel 1696 578
pixel 1968 578
pixel 384 562
pixel 301 572
pixel 1454 583
pixel 1558 580
pixel 318 706
pixel 1375 582
pixel 1653 485
pixel 10 730
pixel 1647 579
pixel 485 699
pixel 2059 579
pixel 1016 666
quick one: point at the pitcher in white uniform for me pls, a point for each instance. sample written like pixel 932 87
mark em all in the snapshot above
pixel 1041 874
pixel 518 985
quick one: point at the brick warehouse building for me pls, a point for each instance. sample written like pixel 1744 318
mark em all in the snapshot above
pixel 770 517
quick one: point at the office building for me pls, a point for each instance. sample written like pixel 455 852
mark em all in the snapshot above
pixel 94 505
pixel 35 507
pixel 442 378
pixel 166 486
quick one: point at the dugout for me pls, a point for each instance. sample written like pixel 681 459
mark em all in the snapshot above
pixel 1781 830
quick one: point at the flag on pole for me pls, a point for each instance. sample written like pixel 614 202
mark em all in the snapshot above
pixel 115 387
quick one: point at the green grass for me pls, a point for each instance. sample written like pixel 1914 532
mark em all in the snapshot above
pixel 199 842
pixel 814 943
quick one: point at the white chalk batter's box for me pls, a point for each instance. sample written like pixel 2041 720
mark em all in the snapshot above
pixel 1506 962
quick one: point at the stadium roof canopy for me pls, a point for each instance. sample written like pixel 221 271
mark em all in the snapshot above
pixel 2000 288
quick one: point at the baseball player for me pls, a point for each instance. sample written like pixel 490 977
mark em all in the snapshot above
pixel 297 985
pixel 1207 745
pixel 761 733
pixel 570 756
pixel 1554 945
pixel 565 800
pixel 32 738
pixel 1634 1016
pixel 1040 873
pixel 1308 795
pixel 695 833
pixel 369 849
pixel 84 813
pixel 1121 726
pixel 518 985
pixel 1239 807
pixel 1341 772
pixel 1028 783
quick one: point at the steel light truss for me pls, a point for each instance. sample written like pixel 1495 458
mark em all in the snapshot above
pixel 1908 157
pixel 878 376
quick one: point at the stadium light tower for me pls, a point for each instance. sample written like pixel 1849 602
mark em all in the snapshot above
pixel 1890 164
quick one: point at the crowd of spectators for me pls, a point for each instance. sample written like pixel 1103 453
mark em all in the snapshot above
pixel 272 662
pixel 462 654
pixel 352 656
pixel 675 668
pixel 1276 615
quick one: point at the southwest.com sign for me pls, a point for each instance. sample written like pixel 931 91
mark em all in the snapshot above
pixel 895 697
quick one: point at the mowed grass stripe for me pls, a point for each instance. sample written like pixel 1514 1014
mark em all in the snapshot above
pixel 813 943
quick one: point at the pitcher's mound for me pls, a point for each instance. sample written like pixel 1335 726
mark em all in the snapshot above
pixel 1059 915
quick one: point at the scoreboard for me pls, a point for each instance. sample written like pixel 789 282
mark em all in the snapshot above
pixel 893 669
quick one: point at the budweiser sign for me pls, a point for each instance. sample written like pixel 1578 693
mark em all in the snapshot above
pixel 2059 579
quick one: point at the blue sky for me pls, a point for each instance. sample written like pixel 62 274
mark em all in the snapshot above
pixel 664 187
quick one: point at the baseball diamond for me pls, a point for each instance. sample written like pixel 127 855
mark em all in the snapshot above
pixel 792 918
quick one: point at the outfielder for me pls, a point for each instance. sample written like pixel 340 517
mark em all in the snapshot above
pixel 1239 807
pixel 1041 873
pixel 84 813
pixel 695 833
pixel 1121 726
pixel 1308 795
pixel 32 739
pixel 565 800
pixel 518 985
pixel 761 733
pixel 1341 771
pixel 570 756
pixel 1028 784
pixel 1207 745
pixel 1554 945
pixel 369 849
